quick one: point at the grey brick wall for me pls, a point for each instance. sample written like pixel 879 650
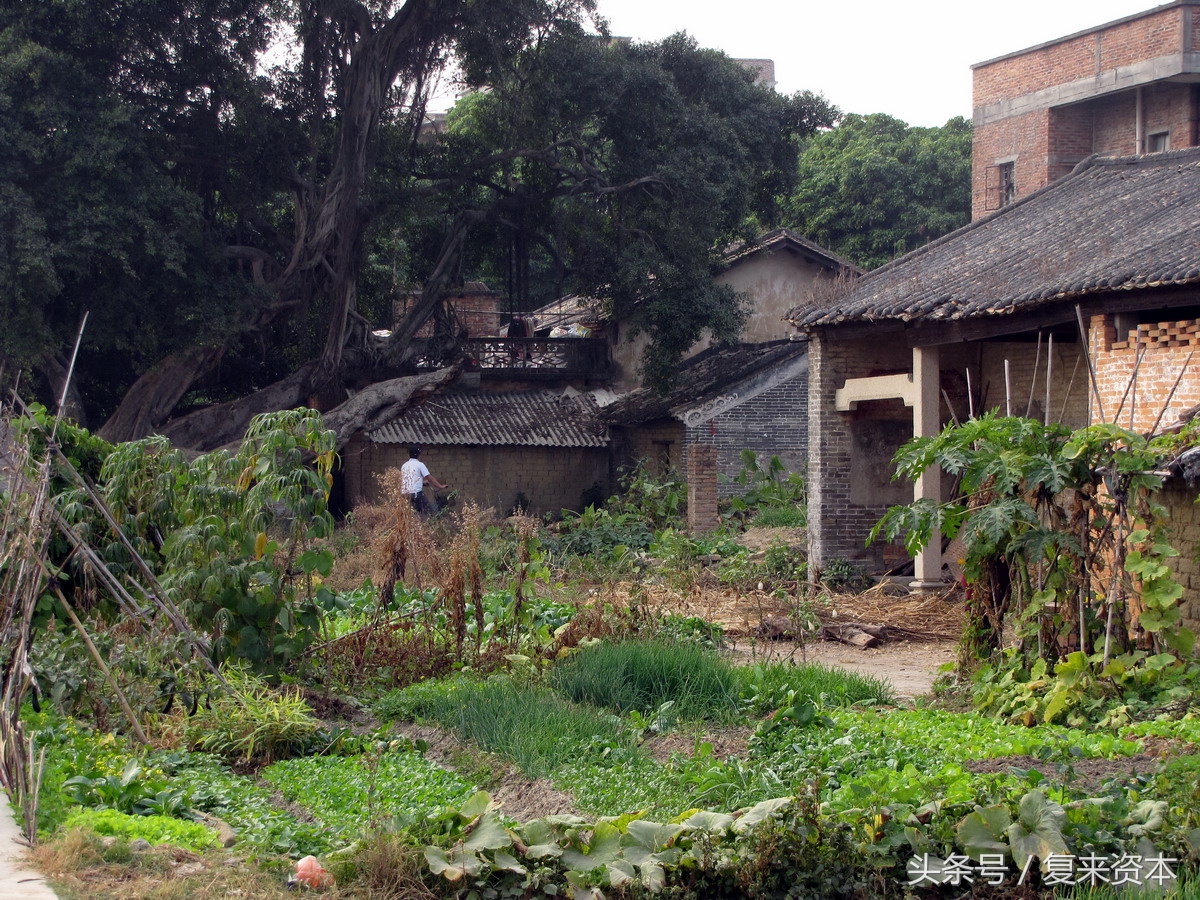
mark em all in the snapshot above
pixel 773 423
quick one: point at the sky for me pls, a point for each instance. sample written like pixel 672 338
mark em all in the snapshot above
pixel 910 60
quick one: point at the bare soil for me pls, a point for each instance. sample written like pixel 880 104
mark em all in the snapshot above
pixel 1087 774
pixel 910 667
pixel 517 796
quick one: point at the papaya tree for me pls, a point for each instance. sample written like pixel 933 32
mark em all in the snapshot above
pixel 1063 537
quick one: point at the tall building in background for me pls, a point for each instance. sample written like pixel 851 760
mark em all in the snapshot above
pixel 1131 86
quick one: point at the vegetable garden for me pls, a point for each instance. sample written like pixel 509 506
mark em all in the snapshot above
pixel 194 655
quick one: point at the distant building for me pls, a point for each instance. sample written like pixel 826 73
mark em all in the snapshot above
pixel 763 69
pixel 1128 87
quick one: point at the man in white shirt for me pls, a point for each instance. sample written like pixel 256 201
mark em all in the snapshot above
pixel 414 475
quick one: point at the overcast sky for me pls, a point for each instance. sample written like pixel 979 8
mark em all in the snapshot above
pixel 911 60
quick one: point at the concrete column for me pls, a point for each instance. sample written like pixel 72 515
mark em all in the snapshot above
pixel 702 488
pixel 927 421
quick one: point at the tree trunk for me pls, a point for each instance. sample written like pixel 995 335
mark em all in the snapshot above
pixel 148 403
pixel 381 402
pixel 225 423
pixel 325 258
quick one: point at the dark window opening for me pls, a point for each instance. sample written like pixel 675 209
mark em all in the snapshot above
pixel 1008 183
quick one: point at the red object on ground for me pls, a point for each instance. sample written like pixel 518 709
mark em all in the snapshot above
pixel 310 872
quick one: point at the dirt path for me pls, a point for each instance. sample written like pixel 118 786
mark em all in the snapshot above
pixel 910 667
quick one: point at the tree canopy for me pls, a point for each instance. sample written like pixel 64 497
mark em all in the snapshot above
pixel 874 188
pixel 231 227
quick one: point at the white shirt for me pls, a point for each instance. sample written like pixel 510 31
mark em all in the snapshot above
pixel 412 476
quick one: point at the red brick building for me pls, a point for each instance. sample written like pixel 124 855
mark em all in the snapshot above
pixel 1127 87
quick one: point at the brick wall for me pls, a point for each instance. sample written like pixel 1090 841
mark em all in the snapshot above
pixel 838 526
pixel 1027 381
pixel 702 489
pixel 551 478
pixel 1184 534
pixel 476 307
pixel 773 423
pixel 1023 141
pixel 1157 33
pixel 659 446
pixel 1049 107
pixel 1165 347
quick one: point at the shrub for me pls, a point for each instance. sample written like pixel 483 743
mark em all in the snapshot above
pixel 767 488
pixel 253 722
pixel 766 688
pixel 532 726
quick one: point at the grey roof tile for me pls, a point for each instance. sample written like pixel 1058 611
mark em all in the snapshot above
pixel 701 378
pixel 1112 224
pixel 524 419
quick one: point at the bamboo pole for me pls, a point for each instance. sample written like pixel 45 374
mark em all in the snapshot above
pixel 1049 376
pixel 1037 359
pixel 1007 391
pixel 112 681
pixel 1083 337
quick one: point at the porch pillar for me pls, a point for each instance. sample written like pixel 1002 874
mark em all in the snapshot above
pixel 927 422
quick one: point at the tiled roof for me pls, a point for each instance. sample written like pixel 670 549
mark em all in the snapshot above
pixel 525 419
pixel 1111 225
pixel 591 311
pixel 786 239
pixel 700 378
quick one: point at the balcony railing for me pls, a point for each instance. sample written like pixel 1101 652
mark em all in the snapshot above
pixel 539 358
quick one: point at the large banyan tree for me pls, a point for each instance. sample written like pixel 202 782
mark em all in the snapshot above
pixel 235 190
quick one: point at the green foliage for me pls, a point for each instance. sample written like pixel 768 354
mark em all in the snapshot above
pixel 1083 688
pixel 766 688
pixel 660 500
pixel 104 205
pixel 128 792
pixel 350 794
pixel 253 722
pixel 627 523
pixel 1026 487
pixel 534 727
pixel 777 848
pixel 873 188
pixel 767 491
pixel 643 675
pixel 85 451
pixel 844 575
pixel 628 110
pixel 232 532
pixel 246 806
pixel 600 535
pixel 75 751
pixel 153 828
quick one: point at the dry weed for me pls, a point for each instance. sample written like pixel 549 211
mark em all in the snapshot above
pixel 406 547
pixel 80 866
pixel 384 869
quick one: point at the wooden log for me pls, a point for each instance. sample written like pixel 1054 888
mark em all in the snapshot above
pixel 849 634
pixel 775 628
